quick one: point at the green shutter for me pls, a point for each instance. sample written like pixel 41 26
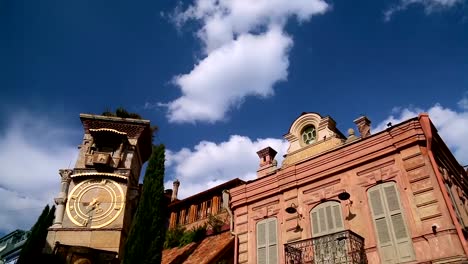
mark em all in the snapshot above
pixel 322 221
pixel 392 234
pixel 315 224
pixel 261 243
pixel 338 217
pixel 267 242
pixel 326 218
pixel 404 245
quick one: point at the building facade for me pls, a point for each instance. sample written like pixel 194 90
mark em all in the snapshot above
pixel 397 196
pixel 208 208
pixel 11 245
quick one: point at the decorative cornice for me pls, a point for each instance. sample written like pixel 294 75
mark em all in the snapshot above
pixel 87 174
pixel 107 130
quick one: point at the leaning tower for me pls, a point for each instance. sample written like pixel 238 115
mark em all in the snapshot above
pixel 97 198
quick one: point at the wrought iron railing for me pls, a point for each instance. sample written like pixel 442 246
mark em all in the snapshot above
pixel 337 248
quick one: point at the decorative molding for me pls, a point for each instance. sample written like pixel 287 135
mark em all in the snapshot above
pixel 321 186
pixel 99 174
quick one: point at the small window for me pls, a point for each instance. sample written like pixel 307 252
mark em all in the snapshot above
pixel 199 211
pixel 178 217
pixel 208 208
pixel 186 215
pixel 220 199
pixel 309 135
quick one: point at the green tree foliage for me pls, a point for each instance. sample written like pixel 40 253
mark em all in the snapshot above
pixel 173 237
pixel 123 113
pixel 215 223
pixel 32 249
pixel 196 234
pixel 179 237
pixel 147 234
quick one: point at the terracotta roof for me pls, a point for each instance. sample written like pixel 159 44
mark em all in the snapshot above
pixel 227 185
pixel 203 252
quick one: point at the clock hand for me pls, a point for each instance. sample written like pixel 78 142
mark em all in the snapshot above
pixel 92 205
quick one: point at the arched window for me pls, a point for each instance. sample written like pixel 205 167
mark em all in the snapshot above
pixel 393 237
pixel 309 135
pixel 267 241
pixel 326 218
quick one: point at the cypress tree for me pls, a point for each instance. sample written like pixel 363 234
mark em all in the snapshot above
pixel 32 249
pixel 147 234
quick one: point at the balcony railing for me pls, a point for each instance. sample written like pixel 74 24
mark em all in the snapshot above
pixel 341 247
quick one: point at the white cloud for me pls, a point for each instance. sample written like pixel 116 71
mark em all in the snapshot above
pixel 209 164
pixel 223 20
pixel 250 65
pixel 451 124
pixel 463 103
pixel 245 54
pixel 33 150
pixel 429 6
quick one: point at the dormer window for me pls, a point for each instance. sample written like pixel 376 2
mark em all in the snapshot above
pixel 309 135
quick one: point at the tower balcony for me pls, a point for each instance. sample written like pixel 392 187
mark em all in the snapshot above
pixel 340 247
pixel 98 158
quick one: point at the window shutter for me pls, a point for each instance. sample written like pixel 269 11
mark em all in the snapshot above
pixel 403 241
pixel 338 216
pixel 392 235
pixel 387 250
pixel 315 225
pixel 261 243
pixel 330 223
pixel 322 221
pixel 326 218
pixel 272 242
pixel 267 244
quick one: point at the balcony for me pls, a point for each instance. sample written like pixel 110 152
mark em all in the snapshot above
pixel 341 247
pixel 99 159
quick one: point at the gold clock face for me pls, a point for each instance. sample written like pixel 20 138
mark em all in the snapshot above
pixel 95 203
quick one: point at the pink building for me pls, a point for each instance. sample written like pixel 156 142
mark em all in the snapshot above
pixel 398 196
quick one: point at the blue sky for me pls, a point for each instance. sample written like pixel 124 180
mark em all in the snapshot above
pixel 221 79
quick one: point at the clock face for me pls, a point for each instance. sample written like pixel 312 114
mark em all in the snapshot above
pixel 95 203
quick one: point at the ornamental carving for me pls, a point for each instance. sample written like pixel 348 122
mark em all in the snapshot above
pixel 66 175
pixel 60 200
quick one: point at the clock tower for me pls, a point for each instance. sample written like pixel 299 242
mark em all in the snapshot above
pixel 98 198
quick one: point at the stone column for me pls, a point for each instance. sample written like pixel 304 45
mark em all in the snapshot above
pixel 61 200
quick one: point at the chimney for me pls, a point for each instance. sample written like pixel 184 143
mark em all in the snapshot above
pixel 168 193
pixel 175 189
pixel 267 161
pixel 363 124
